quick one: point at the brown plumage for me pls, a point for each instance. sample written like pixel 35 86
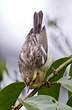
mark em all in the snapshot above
pixel 33 54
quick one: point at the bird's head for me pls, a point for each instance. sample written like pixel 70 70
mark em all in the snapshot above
pixel 33 78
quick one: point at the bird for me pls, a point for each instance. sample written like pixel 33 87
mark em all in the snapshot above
pixel 33 54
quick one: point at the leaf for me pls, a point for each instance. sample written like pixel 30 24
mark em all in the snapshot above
pixel 2 68
pixel 30 107
pixel 69 93
pixel 43 102
pixel 53 90
pixel 69 102
pixel 66 83
pixel 9 95
pixel 39 102
pixel 63 107
pixel 70 72
pixel 55 65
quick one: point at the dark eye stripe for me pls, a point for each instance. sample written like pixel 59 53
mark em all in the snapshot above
pixel 34 81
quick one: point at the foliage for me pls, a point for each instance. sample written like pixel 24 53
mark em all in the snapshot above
pixel 2 69
pixel 48 92
pixel 9 94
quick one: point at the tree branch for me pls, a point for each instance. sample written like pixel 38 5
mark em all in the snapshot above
pixel 20 104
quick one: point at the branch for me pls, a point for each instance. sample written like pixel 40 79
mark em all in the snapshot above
pixel 20 104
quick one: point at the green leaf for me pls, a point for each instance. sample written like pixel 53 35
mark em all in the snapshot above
pixel 39 102
pixel 69 102
pixel 43 102
pixel 53 90
pixel 63 107
pixel 9 95
pixel 69 93
pixel 30 107
pixel 55 65
pixel 66 83
pixel 2 68
pixel 70 72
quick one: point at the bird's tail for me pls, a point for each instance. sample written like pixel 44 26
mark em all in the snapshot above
pixel 37 21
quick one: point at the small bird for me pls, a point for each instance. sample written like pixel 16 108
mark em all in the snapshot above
pixel 33 54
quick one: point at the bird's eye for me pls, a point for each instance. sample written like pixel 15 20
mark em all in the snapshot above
pixel 33 81
pixel 37 73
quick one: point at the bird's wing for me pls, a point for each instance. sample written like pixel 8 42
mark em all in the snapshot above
pixel 43 39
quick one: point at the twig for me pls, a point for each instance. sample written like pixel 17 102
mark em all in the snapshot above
pixel 20 104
